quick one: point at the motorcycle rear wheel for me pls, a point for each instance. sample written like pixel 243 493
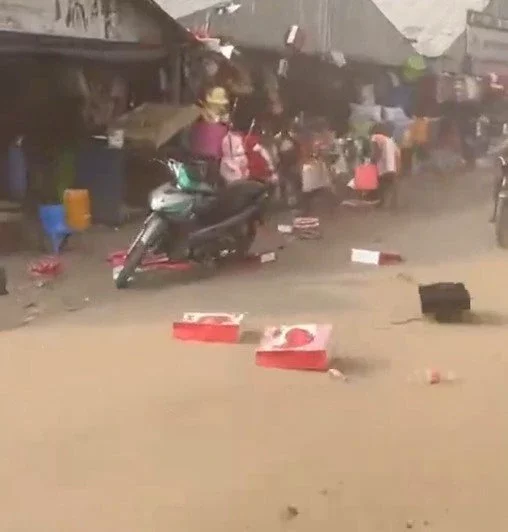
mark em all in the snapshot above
pixel 502 225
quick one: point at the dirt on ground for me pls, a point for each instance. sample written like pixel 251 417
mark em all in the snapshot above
pixel 109 424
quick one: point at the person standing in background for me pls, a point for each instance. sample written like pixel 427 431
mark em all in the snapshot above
pixel 386 156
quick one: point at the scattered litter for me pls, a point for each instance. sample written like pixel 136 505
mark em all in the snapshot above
pixel 406 321
pixel 285 229
pixel 28 319
pixel 290 513
pixel 406 278
pixel 446 302
pixel 271 256
pixel 376 258
pixel 336 374
pixel 303 347
pixel 433 376
pixel 47 266
pixel 32 312
pixel 307 228
pixel 72 307
pixel 359 203
pixel 220 327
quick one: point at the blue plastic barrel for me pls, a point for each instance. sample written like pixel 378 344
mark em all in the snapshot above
pixel 101 170
pixel 53 222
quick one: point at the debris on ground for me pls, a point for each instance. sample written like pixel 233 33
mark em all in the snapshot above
pixel 296 347
pixel 32 311
pixel 406 320
pixel 337 374
pixel 270 256
pixel 47 266
pixel 307 228
pixel 285 229
pixel 290 513
pixel 405 277
pixel 215 327
pixel 72 304
pixel 410 524
pixel 433 376
pixel 375 258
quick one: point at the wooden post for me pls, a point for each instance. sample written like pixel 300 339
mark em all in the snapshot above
pixel 177 77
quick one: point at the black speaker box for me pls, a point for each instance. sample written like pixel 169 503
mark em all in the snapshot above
pixel 445 301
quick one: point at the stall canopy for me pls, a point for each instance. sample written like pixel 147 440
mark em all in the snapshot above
pixel 356 28
pixel 183 8
pixel 436 28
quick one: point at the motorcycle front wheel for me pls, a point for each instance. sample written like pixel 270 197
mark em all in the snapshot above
pixel 145 239
pixel 502 225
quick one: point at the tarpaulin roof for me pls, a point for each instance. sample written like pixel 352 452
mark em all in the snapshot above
pixel 357 28
pixel 431 25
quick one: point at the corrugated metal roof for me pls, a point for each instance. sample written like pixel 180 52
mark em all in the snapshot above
pixel 182 8
pixel 431 25
pixel 354 27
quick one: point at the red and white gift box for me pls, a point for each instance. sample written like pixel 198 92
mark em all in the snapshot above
pixel 219 327
pixel 303 347
pixel 377 258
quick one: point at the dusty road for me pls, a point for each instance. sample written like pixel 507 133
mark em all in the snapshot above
pixel 108 424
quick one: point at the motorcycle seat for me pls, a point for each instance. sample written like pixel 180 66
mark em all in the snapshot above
pixel 231 200
pixel 248 189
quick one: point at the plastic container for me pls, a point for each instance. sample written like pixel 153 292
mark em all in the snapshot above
pixel 77 209
pixel 53 222
pixel 366 177
pixel 101 171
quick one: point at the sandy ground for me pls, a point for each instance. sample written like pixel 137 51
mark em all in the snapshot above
pixel 108 424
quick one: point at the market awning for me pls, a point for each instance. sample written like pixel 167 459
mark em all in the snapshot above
pixel 93 49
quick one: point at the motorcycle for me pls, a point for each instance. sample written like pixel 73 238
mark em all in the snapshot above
pixel 500 214
pixel 190 220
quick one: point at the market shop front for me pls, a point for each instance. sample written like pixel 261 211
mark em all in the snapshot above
pixel 68 72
